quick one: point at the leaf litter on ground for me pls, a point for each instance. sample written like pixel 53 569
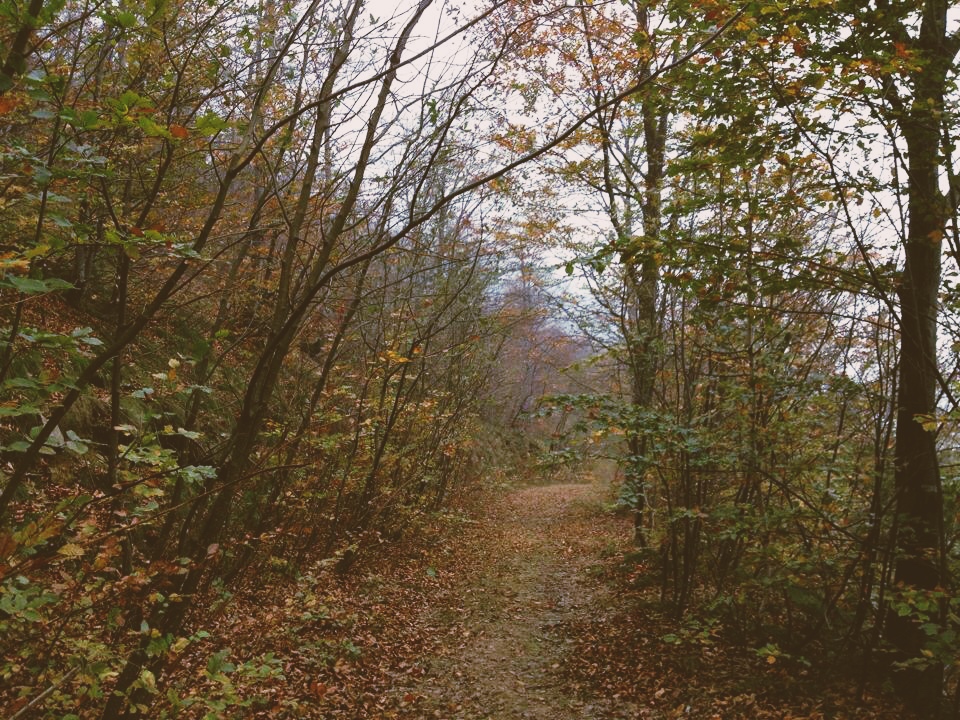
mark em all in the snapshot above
pixel 517 604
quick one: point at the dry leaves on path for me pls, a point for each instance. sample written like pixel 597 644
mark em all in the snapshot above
pixel 517 606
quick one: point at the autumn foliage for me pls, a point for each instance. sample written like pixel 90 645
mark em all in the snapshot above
pixel 281 282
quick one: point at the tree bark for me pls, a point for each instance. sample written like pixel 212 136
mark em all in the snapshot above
pixel 919 566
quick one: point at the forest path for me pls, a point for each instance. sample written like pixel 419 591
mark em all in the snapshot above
pixel 503 628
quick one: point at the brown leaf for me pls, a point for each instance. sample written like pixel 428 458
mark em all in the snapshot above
pixel 7 543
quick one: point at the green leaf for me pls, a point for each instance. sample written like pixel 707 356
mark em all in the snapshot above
pixel 83 335
pixel 42 175
pixel 218 663
pixel 88 119
pixel 59 220
pixel 33 286
pixel 76 444
pixel 125 19
pixel 210 123
pixel 16 410
pixel 17 446
pixel 195 473
pixel 21 382
pixel 152 129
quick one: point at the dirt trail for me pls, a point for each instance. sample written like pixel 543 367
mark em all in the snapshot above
pixel 503 628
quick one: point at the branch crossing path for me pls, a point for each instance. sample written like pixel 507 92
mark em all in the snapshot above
pixel 532 574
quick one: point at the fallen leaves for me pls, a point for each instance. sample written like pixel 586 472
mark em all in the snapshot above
pixel 490 633
pixel 629 654
pixel 350 647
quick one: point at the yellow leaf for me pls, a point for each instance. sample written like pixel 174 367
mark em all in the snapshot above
pixel 70 550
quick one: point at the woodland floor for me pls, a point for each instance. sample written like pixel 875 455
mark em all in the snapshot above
pixel 518 607
pixel 507 634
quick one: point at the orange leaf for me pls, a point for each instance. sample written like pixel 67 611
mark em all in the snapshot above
pixel 179 132
pixel 7 104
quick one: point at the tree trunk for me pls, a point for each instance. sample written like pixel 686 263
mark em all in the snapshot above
pixel 919 567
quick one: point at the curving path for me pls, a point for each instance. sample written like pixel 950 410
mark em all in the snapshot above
pixel 503 627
